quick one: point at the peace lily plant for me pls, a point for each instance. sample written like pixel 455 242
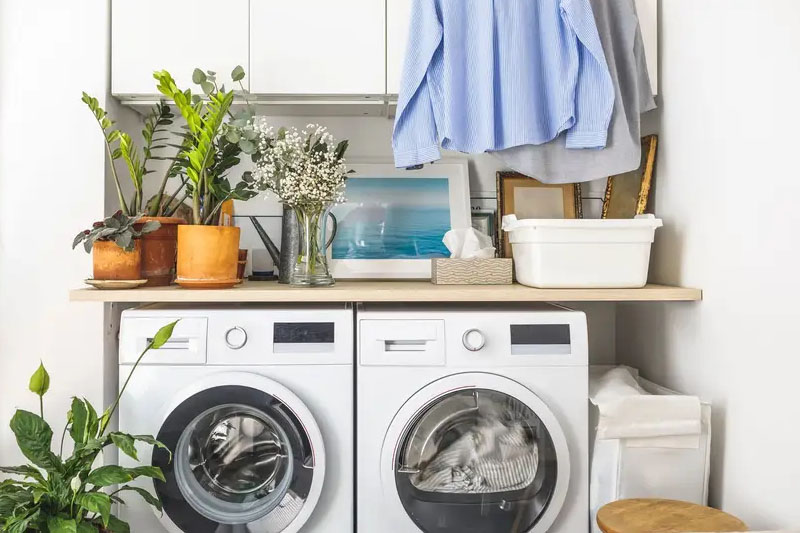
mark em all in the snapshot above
pixel 58 494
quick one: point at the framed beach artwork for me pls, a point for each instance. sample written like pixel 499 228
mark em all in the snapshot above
pixel 393 220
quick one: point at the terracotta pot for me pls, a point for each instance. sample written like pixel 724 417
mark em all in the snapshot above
pixel 112 262
pixel 158 250
pixel 207 256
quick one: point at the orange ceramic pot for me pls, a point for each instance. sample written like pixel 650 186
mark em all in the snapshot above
pixel 112 262
pixel 207 256
pixel 159 249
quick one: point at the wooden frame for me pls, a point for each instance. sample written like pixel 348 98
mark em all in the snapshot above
pixel 508 184
pixel 627 194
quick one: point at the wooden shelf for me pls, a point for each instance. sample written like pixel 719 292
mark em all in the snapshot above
pixel 386 291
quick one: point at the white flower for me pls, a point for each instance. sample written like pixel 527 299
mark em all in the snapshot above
pixel 75 483
pixel 301 168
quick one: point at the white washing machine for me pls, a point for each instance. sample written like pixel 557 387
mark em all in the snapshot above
pixel 256 404
pixel 472 420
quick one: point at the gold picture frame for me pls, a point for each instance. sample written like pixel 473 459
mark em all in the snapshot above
pixel 627 195
pixel 541 200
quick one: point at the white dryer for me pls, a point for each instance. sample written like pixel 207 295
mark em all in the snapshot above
pixel 256 404
pixel 472 420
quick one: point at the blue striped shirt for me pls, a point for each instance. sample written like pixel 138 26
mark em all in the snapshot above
pixel 484 75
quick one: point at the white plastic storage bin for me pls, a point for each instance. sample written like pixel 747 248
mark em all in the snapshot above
pixel 674 468
pixel 553 253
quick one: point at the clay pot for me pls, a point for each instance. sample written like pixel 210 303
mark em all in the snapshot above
pixel 112 262
pixel 159 249
pixel 207 256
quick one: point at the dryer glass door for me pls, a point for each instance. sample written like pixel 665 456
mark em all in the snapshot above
pixel 478 459
pixel 241 456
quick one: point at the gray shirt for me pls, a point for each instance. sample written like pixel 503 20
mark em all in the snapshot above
pixel 618 25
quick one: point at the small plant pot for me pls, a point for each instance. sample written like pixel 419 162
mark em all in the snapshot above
pixel 207 256
pixel 111 262
pixel 159 249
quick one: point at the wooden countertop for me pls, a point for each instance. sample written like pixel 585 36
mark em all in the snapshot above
pixel 386 291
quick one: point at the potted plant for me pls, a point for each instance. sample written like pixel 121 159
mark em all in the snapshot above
pixel 115 246
pixel 61 494
pixel 158 247
pixel 213 141
pixel 306 170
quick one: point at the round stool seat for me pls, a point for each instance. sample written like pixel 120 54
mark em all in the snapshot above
pixel 663 516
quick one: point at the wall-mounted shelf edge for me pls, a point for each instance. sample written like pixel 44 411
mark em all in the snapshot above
pixel 386 291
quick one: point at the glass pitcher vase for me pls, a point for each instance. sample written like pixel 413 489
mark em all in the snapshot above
pixel 311 268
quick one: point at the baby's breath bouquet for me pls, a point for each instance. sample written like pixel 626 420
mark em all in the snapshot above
pixel 306 170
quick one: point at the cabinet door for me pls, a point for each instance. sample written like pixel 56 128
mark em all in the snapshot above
pixel 176 35
pixel 334 47
pixel 398 13
pixel 648 20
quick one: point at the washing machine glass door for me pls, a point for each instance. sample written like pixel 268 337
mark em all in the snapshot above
pixel 477 452
pixel 247 456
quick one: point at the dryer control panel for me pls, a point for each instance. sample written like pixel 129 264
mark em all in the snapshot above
pixel 546 336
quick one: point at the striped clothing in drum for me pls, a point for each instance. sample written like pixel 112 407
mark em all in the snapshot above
pixel 484 75
pixel 491 457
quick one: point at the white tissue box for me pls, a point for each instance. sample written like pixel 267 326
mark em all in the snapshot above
pixel 472 271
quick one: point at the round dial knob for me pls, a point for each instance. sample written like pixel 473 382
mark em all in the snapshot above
pixel 473 340
pixel 235 338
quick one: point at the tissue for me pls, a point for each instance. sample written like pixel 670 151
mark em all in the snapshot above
pixel 468 244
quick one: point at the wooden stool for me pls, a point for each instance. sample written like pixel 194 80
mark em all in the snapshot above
pixel 663 516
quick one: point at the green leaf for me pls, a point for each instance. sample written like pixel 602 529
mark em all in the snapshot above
pixel 148 497
pixel 56 524
pixel 11 498
pixel 96 502
pixel 115 525
pixel 247 147
pixel 40 380
pixel 34 438
pixel 153 442
pixel 27 471
pixel 198 76
pixel 238 73
pixel 108 475
pixel 79 415
pixel 163 335
pixel 153 472
pixel 207 87
pixel 86 527
pixel 150 226
pixel 125 241
pixel 126 444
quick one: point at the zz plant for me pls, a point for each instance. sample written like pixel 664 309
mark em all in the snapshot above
pixel 120 145
pixel 214 139
pixel 69 495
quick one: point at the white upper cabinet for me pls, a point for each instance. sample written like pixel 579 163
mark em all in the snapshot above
pixel 318 47
pixel 399 11
pixel 176 35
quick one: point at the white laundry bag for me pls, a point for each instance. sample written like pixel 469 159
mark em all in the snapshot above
pixel 665 457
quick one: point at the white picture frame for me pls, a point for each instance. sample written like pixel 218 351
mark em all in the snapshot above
pixel 455 172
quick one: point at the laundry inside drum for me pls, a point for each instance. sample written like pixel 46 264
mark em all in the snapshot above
pixel 476 460
pixel 234 464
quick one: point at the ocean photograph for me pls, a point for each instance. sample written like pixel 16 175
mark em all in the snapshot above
pixel 393 218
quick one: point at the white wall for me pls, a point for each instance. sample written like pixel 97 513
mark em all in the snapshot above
pixel 727 189
pixel 51 186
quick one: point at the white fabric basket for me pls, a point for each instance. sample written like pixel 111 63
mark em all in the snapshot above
pixel 666 467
